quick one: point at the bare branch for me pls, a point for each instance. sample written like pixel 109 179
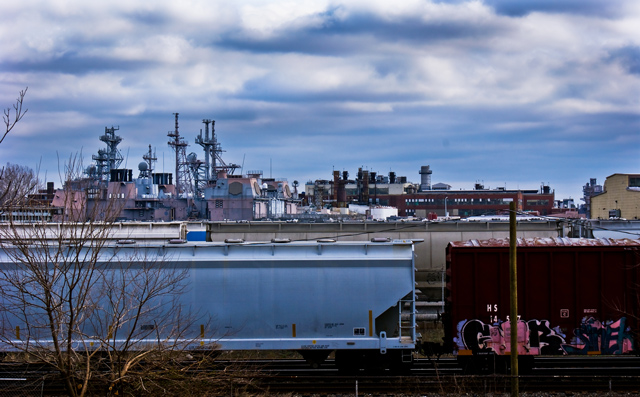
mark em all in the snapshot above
pixel 18 114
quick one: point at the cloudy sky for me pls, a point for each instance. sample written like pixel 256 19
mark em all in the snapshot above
pixel 504 92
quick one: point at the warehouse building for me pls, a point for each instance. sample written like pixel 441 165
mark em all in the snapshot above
pixel 620 198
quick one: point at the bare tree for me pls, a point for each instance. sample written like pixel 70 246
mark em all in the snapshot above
pixel 45 294
pixel 16 183
pixel 91 309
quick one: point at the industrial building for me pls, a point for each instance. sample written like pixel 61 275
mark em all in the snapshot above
pixel 422 200
pixel 619 199
pixel 480 201
pixel 589 190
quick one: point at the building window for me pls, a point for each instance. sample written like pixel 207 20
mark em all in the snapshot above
pixel 218 203
pixel 378 190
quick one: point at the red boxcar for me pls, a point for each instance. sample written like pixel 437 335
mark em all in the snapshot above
pixel 575 296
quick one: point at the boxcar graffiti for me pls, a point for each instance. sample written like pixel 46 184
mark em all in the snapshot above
pixel 537 337
pixel 608 338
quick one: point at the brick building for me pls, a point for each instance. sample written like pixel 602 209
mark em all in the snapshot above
pixel 466 203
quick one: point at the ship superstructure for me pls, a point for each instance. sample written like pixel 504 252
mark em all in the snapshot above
pixel 201 190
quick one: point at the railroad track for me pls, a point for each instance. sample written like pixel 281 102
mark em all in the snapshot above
pixel 561 374
pixel 553 374
pixel 459 384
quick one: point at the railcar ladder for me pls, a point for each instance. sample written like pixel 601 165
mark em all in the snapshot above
pixel 407 321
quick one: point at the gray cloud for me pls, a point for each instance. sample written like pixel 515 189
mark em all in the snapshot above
pixel 628 57
pixel 76 64
pixel 500 91
pixel 339 36
pixel 597 8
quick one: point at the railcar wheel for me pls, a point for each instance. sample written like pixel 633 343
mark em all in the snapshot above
pixel 525 365
pixel 372 361
pixel 483 364
pixel 468 365
pixel 315 358
pixel 399 361
pixel 349 361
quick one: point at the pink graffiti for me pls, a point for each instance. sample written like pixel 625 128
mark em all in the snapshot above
pixel 536 337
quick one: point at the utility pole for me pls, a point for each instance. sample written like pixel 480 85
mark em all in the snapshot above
pixel 513 282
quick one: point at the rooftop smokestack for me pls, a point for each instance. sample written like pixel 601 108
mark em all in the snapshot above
pixel 425 178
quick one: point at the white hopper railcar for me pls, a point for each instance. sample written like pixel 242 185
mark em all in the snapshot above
pixel 354 298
